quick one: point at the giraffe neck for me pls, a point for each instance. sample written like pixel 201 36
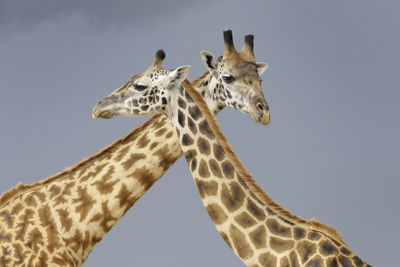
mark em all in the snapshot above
pixel 258 230
pixel 60 219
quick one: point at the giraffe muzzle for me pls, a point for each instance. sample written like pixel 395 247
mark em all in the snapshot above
pixel 265 119
pixel 261 113
pixel 102 110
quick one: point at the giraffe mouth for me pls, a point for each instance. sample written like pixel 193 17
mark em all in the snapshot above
pixel 263 117
pixel 99 112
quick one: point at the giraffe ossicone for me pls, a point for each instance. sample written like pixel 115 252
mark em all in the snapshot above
pixel 258 230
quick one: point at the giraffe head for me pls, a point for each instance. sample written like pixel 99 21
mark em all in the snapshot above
pixel 237 80
pixel 144 93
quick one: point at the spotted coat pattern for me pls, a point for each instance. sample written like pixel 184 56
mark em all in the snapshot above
pixel 58 221
pixel 259 235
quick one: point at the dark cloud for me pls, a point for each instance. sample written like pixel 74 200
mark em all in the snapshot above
pixel 23 15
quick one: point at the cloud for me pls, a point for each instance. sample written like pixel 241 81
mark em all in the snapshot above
pixel 24 15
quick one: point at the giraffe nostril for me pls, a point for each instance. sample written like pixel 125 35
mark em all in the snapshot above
pixel 260 106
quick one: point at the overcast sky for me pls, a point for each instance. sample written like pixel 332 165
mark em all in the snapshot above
pixel 331 150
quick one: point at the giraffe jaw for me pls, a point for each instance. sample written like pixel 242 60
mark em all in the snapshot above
pixel 262 118
pixel 105 114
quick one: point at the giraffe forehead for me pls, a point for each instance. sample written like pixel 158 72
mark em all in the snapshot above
pixel 151 77
pixel 245 70
pixel 134 78
pixel 247 83
pixel 156 72
pixel 145 80
pixel 242 70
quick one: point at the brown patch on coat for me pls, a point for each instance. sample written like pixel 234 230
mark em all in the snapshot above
pixel 204 146
pixel 19 253
pixel 166 159
pixel 228 169
pixel 160 132
pixel 126 199
pixel 93 173
pixel 66 221
pixel 226 238
pixel 54 190
pixel 22 223
pixel 143 141
pixel 63 259
pixel 277 229
pixel 219 153
pixel 280 245
pixel 144 176
pixel 259 237
pixel 206 188
pixel 216 213
pixel 104 185
pixel 326 248
pixel 268 260
pixel 35 240
pixel 232 196
pixel 203 169
pixel 85 201
pixel 153 145
pixel 214 167
pixel 239 242
pixel 133 158
pixel 245 220
pixel 7 217
pixel 306 250
pixel 299 233
pixel 284 262
pixel 192 125
pixel 312 235
pixel 121 154
pixel 317 261
pixel 30 201
pixel 205 129
pixel 294 259
pixel 104 218
pixel 48 223
pixel 255 210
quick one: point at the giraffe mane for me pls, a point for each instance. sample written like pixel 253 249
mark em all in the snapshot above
pixel 22 188
pixel 313 224
pixel 202 77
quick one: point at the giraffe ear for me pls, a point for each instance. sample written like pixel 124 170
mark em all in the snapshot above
pixel 179 74
pixel 261 67
pixel 208 60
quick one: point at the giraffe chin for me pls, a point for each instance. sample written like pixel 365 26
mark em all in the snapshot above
pixel 262 118
pixel 106 114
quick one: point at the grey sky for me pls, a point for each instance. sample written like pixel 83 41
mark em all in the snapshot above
pixel 331 150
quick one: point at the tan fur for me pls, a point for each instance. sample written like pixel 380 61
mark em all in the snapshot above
pixel 249 180
pixel 21 188
pixel 198 80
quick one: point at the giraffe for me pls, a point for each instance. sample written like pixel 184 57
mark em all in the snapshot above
pixel 59 220
pixel 258 230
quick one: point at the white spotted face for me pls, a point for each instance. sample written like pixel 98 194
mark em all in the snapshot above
pixel 236 79
pixel 144 93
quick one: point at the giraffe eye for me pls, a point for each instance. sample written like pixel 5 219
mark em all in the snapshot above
pixel 140 87
pixel 228 78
